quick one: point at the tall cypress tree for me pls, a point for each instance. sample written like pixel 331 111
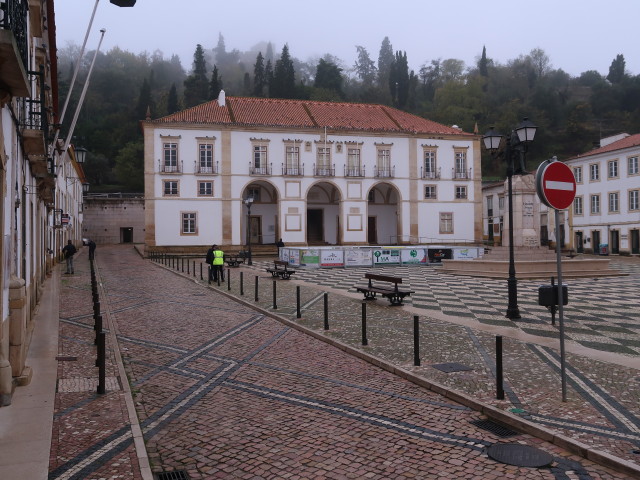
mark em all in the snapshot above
pixel 268 77
pixel 284 82
pixel 196 86
pixel 172 100
pixel 259 78
pixel 215 85
pixel 144 100
pixel 385 60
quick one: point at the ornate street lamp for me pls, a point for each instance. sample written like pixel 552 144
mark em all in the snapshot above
pixel 81 154
pixel 515 149
pixel 248 202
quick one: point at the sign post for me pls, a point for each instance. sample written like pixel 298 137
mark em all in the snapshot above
pixel 556 188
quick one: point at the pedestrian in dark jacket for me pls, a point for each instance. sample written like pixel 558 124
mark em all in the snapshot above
pixel 69 251
pixel 209 261
pixel 92 249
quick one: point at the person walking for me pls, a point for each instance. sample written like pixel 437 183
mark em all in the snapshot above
pixel 92 249
pixel 209 261
pixel 218 263
pixel 69 251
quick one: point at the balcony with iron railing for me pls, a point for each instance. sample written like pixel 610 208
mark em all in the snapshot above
pixel 430 174
pixel 14 47
pixel 201 169
pixel 354 171
pixel 170 167
pixel 259 170
pixel 384 172
pixel 33 118
pixel 293 170
pixel 460 174
pixel 324 170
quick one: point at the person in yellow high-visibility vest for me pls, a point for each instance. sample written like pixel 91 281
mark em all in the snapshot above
pixel 217 264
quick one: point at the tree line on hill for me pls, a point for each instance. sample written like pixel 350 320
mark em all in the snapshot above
pixel 573 113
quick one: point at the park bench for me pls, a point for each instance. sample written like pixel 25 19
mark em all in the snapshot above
pixel 393 294
pixel 233 260
pixel 281 269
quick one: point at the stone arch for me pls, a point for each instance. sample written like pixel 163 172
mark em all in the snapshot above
pixel 323 215
pixel 384 214
pixel 264 212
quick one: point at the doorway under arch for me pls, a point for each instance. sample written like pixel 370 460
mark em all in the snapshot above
pixel 323 215
pixel 383 215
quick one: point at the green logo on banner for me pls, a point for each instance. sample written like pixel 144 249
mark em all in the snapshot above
pixel 413 253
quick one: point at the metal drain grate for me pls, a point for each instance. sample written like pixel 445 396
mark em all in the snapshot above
pixel 496 429
pixel 451 367
pixel 177 475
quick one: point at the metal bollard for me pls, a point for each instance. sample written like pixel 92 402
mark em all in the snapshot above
pixel 98 329
pixel 365 341
pixel 298 314
pixel 228 279
pixel 275 305
pixel 326 311
pixel 499 372
pixel 416 340
pixel 256 289
pixel 102 353
pixel 241 283
pixel 201 278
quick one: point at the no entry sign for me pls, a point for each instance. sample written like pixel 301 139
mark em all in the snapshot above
pixel 555 184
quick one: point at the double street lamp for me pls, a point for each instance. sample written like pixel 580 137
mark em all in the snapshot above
pixel 248 202
pixel 514 154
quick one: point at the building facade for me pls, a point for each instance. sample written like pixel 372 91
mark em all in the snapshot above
pixel 605 215
pixel 110 218
pixel 315 172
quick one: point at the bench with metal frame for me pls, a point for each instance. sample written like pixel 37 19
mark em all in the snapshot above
pixel 394 295
pixel 233 260
pixel 281 269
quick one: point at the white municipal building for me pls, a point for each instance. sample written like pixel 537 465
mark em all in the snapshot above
pixel 318 173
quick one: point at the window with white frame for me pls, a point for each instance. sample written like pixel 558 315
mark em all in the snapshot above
pixel 461 192
pixel 205 158
pixel 170 188
pixel 430 163
pixel 614 202
pixel 461 164
pixel 577 206
pixel 501 202
pixel 292 160
pixel 595 204
pixel 577 173
pixel 490 205
pixel 170 155
pixel 446 222
pixel 612 169
pixel 430 192
pixel 189 223
pixel 353 162
pixel 594 172
pixel 632 166
pixel 383 162
pixel 205 189
pixel 260 158
pixel 634 200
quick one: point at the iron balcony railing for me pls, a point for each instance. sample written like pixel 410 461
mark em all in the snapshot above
pixel 13 16
pixel 206 169
pixel 460 174
pixel 33 112
pixel 384 172
pixel 293 170
pixel 324 170
pixel 353 171
pixel 430 174
pixel 263 170
pixel 170 167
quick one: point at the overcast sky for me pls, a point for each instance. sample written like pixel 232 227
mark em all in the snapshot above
pixel 577 35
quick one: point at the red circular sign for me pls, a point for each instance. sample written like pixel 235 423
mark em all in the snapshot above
pixel 555 184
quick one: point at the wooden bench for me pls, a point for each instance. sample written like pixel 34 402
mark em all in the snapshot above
pixel 233 260
pixel 394 295
pixel 281 269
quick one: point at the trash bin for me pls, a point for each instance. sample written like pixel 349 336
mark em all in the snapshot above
pixel 604 249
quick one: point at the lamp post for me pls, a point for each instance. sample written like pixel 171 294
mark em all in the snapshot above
pixel 515 149
pixel 248 202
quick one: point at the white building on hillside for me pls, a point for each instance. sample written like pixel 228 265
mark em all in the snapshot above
pixel 318 173
pixel 606 210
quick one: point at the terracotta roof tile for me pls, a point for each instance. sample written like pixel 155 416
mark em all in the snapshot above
pixel 627 142
pixel 271 112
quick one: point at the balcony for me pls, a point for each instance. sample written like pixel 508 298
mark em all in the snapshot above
pixel 170 168
pixel 459 174
pixel 353 171
pixel 201 169
pixel 13 47
pixel 33 119
pixel 292 170
pixel 430 174
pixel 384 172
pixel 324 170
pixel 259 170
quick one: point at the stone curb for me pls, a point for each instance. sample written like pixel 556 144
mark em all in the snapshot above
pixel 493 413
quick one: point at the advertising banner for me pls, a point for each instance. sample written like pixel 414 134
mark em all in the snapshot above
pixel 294 257
pixel 310 257
pixel 465 253
pixel 414 256
pixel 386 256
pixel 358 257
pixel 331 258
pixel 436 255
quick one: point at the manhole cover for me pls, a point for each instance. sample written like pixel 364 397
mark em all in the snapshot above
pixel 451 367
pixel 519 455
